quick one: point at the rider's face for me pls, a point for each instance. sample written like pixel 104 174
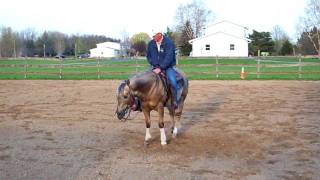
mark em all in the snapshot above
pixel 157 37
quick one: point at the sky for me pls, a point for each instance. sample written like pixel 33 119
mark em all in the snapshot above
pixel 114 17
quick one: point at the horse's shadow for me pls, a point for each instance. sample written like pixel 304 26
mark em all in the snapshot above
pixel 200 112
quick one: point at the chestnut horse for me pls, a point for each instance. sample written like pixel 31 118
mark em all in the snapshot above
pixel 149 91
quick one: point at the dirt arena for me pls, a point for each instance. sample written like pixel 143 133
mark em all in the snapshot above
pixel 231 130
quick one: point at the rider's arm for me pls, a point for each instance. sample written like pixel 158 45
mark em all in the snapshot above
pixel 150 57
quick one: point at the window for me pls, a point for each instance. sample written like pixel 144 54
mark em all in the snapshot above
pixel 207 47
pixel 231 47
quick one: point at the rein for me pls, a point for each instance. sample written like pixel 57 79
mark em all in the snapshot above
pixel 125 112
pixel 135 106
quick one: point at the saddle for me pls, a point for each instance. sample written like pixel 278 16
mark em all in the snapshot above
pixel 168 87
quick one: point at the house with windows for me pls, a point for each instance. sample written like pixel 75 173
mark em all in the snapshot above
pixel 105 50
pixel 224 38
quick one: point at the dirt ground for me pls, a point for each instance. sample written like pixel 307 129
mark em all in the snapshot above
pixel 230 130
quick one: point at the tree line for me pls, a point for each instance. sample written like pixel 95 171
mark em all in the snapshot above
pixel 28 43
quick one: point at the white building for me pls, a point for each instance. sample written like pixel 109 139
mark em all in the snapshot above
pixel 106 49
pixel 221 39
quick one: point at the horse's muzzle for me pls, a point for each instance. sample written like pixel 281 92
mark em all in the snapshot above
pixel 121 115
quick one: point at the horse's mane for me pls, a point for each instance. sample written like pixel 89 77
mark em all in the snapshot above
pixel 121 87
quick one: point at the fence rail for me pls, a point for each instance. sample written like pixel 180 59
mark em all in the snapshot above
pixel 216 69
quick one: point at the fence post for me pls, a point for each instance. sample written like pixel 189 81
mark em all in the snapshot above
pixel 258 65
pixel 136 65
pixel 60 75
pixel 98 68
pixel 217 63
pixel 300 75
pixel 25 68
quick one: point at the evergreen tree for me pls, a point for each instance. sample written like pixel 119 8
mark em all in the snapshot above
pixel 286 48
pixel 260 41
pixel 174 36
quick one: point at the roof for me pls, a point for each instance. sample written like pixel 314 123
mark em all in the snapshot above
pixel 213 34
pixel 226 21
pixel 110 45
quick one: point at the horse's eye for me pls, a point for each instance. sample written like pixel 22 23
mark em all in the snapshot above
pixel 125 97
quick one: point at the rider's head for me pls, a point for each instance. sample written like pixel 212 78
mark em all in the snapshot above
pixel 157 35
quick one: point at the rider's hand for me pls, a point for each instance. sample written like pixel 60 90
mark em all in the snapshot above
pixel 157 70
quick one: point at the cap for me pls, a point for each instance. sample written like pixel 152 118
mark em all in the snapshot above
pixel 155 31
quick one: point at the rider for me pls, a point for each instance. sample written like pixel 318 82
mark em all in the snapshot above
pixel 161 56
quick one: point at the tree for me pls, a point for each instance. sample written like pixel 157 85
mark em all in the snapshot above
pixel 45 45
pixel 279 36
pixel 287 48
pixel 125 44
pixel 260 41
pixel 142 36
pixel 184 45
pixel 196 13
pixel 7 42
pixel 27 40
pixel 139 43
pixel 140 47
pixel 311 22
pixel 59 42
pixel 304 43
pixel 174 36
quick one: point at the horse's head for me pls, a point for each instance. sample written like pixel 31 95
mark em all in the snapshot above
pixel 125 100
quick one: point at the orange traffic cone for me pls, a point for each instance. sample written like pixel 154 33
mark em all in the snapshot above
pixel 242 74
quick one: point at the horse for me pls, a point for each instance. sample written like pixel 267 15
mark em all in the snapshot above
pixel 148 91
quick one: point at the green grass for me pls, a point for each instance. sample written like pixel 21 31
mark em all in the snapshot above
pixel 200 68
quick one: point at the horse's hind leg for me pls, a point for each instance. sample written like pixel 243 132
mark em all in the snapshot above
pixel 148 123
pixel 174 129
pixel 177 123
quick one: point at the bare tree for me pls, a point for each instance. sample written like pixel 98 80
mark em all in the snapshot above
pixel 59 42
pixel 310 21
pixel 27 40
pixel 196 13
pixel 125 43
pixel 279 36
pixel 7 42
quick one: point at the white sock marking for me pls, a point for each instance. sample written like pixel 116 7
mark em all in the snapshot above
pixel 163 136
pixel 175 130
pixel 148 135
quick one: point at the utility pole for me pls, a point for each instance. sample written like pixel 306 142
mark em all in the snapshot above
pixel 14 49
pixel 44 51
pixel 75 50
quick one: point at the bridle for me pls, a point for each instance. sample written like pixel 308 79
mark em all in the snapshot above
pixel 135 105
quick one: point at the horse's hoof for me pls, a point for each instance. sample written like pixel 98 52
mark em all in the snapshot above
pixel 174 135
pixel 175 132
pixel 146 143
pixel 164 143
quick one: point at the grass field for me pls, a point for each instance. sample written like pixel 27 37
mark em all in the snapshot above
pixel 209 68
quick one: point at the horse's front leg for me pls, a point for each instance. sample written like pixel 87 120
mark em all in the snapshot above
pixel 148 123
pixel 161 125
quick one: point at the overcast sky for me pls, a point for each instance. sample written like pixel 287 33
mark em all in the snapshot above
pixel 111 17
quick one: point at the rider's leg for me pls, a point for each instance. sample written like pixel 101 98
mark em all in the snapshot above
pixel 171 75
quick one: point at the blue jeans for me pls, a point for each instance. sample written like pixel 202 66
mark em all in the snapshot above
pixel 171 76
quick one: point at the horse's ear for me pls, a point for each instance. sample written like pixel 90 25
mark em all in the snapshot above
pixel 127 82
